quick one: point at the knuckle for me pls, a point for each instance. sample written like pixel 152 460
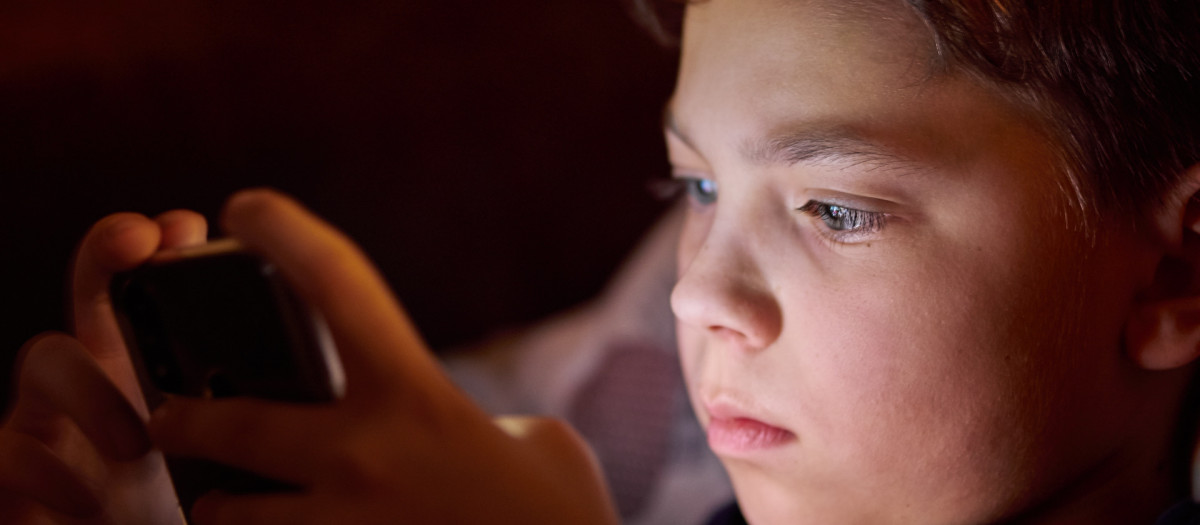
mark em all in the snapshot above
pixel 42 362
pixel 558 438
pixel 434 417
pixel 552 429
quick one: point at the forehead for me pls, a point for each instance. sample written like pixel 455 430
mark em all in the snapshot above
pixel 752 70
pixel 801 47
pixel 775 57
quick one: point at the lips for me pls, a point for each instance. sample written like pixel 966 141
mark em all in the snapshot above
pixel 733 433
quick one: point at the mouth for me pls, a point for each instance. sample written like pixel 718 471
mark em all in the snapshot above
pixel 735 434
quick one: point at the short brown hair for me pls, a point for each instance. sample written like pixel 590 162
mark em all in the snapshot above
pixel 1117 81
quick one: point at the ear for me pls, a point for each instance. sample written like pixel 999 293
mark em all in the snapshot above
pixel 1163 330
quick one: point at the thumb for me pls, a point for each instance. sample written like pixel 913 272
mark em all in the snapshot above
pixel 567 458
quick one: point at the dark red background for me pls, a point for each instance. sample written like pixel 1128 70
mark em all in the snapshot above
pixel 490 156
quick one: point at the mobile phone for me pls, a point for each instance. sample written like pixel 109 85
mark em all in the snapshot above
pixel 217 321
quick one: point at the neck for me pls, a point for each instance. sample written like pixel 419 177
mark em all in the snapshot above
pixel 1115 494
pixel 1139 480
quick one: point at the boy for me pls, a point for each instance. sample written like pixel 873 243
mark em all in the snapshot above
pixel 939 267
pixel 939 278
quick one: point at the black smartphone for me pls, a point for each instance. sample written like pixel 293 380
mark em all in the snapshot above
pixel 217 321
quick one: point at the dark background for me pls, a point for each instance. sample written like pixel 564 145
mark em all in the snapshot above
pixel 491 157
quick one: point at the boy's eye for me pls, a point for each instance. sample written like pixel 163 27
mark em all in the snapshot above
pixel 702 191
pixel 844 224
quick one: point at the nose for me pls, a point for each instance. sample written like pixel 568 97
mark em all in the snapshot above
pixel 722 292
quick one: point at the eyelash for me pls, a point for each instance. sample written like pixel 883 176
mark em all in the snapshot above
pixel 840 224
pixel 700 192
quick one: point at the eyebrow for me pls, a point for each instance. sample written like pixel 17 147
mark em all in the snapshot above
pixel 812 144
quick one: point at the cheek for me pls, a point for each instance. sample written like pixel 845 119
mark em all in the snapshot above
pixel 691 356
pixel 886 377
pixel 931 377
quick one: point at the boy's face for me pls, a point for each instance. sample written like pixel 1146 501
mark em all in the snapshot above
pixel 886 315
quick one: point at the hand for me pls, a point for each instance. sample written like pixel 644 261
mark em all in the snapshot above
pixel 403 445
pixel 74 448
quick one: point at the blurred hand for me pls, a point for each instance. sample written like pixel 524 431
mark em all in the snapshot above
pixel 73 448
pixel 403 445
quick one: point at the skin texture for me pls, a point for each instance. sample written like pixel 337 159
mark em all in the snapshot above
pixel 951 350
pixel 952 357
pixel 403 445
pixel 78 413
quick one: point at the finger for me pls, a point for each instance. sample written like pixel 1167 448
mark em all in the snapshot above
pixel 219 508
pixel 182 228
pixel 117 243
pixel 575 472
pixel 268 438
pixel 556 442
pixel 30 469
pixel 58 376
pixel 15 508
pixel 378 346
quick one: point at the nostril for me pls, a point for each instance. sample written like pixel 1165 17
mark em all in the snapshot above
pixel 753 332
pixel 722 293
pixel 728 334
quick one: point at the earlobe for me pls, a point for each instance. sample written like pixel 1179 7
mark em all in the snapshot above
pixel 1164 334
pixel 1163 331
